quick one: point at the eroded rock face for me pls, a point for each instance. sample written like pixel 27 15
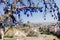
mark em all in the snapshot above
pixel 0 36
pixel 19 33
pixel 1 33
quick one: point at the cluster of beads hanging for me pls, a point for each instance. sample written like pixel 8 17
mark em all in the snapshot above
pixel 49 6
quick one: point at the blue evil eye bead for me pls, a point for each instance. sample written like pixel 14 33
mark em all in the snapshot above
pixel 55 5
pixel 53 10
pixel 44 18
pixel 25 12
pixel 2 1
pixel 50 7
pixel 28 0
pixel 27 9
pixel 18 12
pixel 45 10
pixel 8 4
pixel 31 14
pixel 45 6
pixel 57 9
pixel 44 2
pixel 27 15
pixel 21 9
pixel 40 9
pixel 32 10
pixel 14 12
pixel 50 10
pixel 35 10
pixel 52 15
pixel 58 18
pixel 58 13
pixel 18 15
pixel 17 9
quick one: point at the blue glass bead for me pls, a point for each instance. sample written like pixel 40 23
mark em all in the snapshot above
pixel 57 9
pixel 40 9
pixel 25 12
pixel 59 18
pixel 58 13
pixel 45 6
pixel 31 14
pixel 53 10
pixel 44 18
pixel 55 6
pixel 50 10
pixel 52 15
pixel 27 15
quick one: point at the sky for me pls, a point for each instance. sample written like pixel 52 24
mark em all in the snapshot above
pixel 37 17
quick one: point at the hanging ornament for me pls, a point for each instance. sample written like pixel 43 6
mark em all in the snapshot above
pixel 32 10
pixel 18 15
pixel 27 15
pixel 50 10
pixel 21 9
pixel 44 2
pixel 40 9
pixel 56 17
pixel 59 18
pixel 45 10
pixel 57 9
pixel 31 14
pixel 17 9
pixel 44 18
pixel 18 12
pixel 58 13
pixel 28 0
pixel 8 4
pixel 14 12
pixel 25 12
pixel 45 5
pixel 52 15
pixel 2 1
pixel 53 10
pixel 5 10
pixel 55 5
